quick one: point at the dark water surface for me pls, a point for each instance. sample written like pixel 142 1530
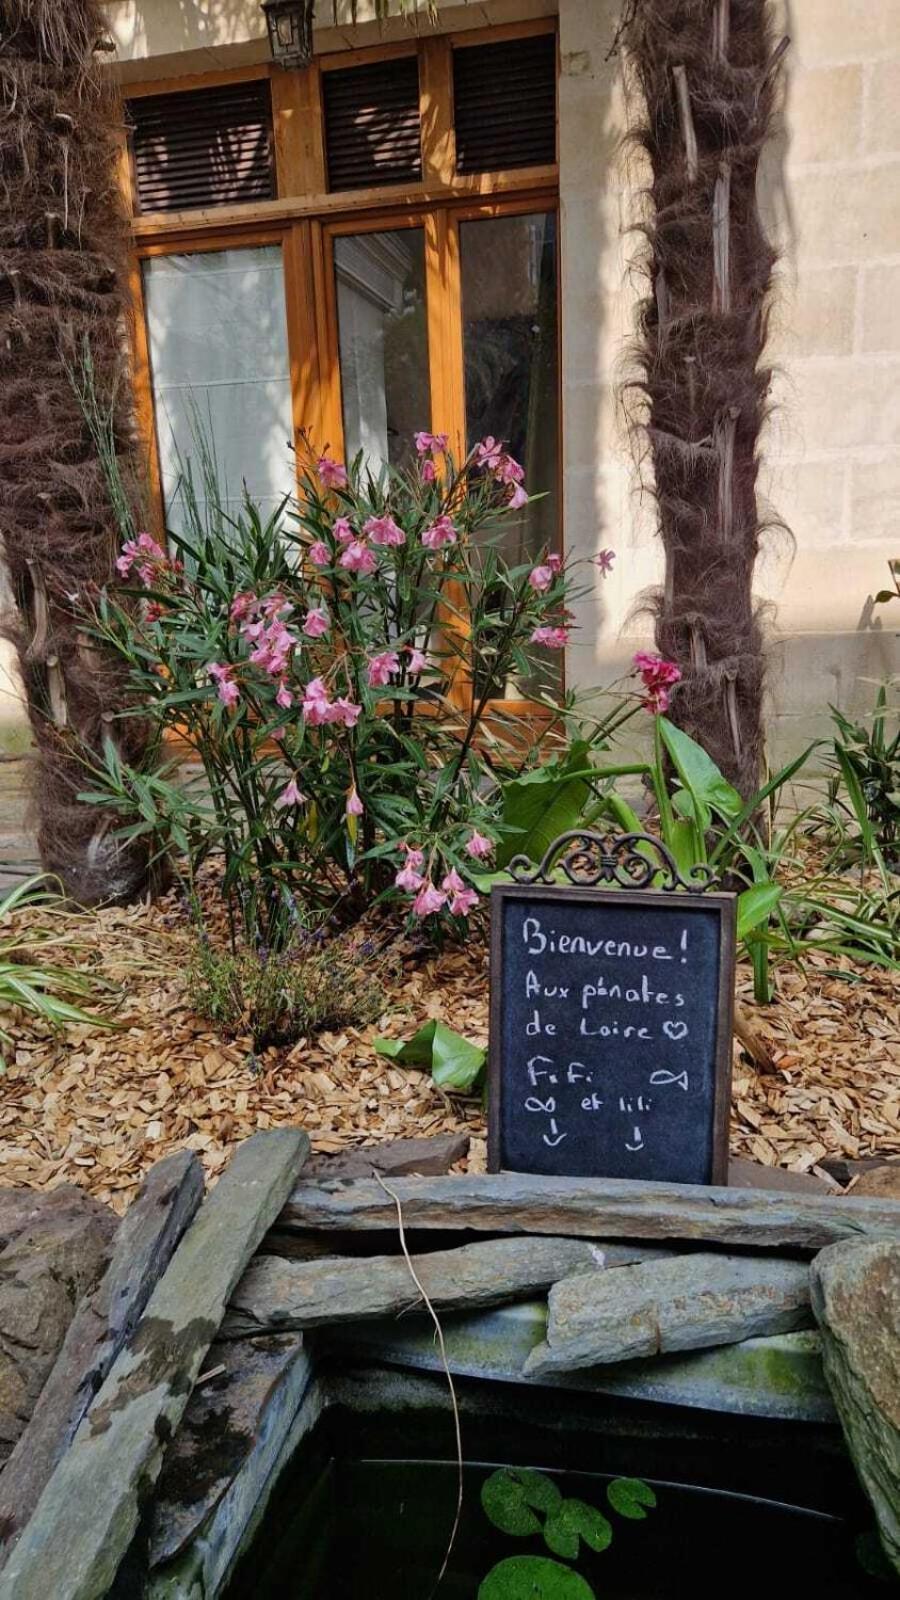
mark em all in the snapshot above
pixel 376 1529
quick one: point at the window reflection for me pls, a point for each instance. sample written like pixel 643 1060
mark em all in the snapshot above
pixel 219 358
pixel 509 305
pixel 383 343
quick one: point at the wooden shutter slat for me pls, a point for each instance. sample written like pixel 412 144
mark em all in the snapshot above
pixel 206 147
pixel 504 98
pixel 372 126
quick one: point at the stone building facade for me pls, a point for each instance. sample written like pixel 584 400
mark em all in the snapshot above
pixel 829 195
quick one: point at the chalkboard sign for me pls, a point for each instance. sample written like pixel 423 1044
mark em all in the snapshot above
pixel 611 1017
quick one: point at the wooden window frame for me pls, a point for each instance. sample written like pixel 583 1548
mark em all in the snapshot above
pixel 304 220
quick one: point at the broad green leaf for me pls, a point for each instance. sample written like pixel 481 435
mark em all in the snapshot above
pixel 544 804
pixel 484 881
pixel 681 838
pixel 534 1578
pixel 570 1522
pixel 755 906
pixel 698 773
pixel 692 810
pixel 511 1496
pixel 612 808
pixel 630 1497
pixel 454 1062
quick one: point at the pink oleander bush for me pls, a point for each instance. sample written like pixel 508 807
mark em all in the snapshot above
pixel 316 664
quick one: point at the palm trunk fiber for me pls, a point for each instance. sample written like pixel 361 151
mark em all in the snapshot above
pixel 706 70
pixel 62 245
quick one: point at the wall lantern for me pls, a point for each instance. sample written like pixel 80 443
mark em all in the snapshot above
pixel 290 25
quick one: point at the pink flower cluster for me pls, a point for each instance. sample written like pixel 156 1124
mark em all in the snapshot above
pixel 316 622
pixel 491 457
pixel 541 577
pixel 262 624
pixel 441 532
pixel 291 795
pixel 319 708
pixel 356 555
pixel 454 892
pixel 381 667
pixel 553 636
pixel 387 662
pixel 657 677
pixel 428 445
pixel 145 554
pixel 332 474
pixel 226 689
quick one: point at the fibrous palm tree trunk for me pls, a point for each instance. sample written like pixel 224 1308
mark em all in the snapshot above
pixel 707 70
pixel 62 242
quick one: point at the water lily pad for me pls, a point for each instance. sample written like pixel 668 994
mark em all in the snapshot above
pixel 511 1496
pixel 534 1578
pixel 630 1497
pixel 571 1521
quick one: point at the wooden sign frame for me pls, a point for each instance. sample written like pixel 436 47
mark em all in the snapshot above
pixel 725 904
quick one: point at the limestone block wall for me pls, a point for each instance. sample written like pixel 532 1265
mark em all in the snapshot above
pixel 829 194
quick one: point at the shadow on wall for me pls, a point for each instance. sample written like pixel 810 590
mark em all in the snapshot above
pixel 166 26
pixel 595 318
pixel 773 192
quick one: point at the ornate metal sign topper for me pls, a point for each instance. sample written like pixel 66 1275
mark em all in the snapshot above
pixel 630 860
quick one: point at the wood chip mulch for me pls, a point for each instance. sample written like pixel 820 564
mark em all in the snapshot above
pixel 98 1107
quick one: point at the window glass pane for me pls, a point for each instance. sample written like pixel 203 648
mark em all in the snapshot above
pixel 511 350
pixel 219 358
pixel 383 341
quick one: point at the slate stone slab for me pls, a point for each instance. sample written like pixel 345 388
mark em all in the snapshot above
pixel 142 1249
pixel 55 1251
pixel 88 1512
pixel 202 1569
pixel 225 1421
pixel 780 1376
pixel 856 1300
pixel 744 1174
pixel 657 1307
pixel 609 1208
pixel 428 1157
pixel 881 1182
pixel 275 1293
pixel 24 1208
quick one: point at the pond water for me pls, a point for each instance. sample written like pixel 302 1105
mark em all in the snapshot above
pixel 378 1530
pixel 345 1526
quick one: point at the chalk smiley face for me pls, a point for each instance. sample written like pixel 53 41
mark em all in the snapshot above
pixel 675 1030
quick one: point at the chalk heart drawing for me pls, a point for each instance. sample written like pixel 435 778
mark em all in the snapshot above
pixel 675 1030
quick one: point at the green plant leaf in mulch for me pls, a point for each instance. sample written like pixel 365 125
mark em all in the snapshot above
pixel 454 1062
pixel 534 1578
pixel 511 1496
pixel 630 1497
